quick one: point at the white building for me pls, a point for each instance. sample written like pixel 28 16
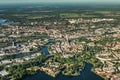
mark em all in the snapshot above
pixel 3 73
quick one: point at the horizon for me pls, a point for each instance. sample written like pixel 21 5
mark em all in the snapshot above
pixel 60 1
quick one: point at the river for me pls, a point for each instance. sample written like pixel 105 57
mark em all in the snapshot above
pixel 85 74
pixel 3 21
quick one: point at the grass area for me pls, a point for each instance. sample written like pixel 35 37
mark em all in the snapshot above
pixel 30 16
pixel 39 16
pixel 35 68
pixel 103 12
pixel 62 15
pixel 88 15
pixel 20 15
pixel 69 15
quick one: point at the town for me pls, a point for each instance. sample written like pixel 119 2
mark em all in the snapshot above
pixel 61 45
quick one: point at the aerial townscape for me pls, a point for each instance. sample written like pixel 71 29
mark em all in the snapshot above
pixel 59 41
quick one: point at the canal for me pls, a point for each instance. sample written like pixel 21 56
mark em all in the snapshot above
pixel 85 74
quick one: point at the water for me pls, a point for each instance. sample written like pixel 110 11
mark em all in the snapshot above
pixel 24 54
pixel 45 50
pixel 3 21
pixel 86 74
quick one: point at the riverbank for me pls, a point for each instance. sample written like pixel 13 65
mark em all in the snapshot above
pixel 85 74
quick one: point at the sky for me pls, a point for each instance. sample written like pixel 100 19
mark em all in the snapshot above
pixel 98 1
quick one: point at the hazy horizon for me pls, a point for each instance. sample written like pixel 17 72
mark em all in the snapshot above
pixel 54 1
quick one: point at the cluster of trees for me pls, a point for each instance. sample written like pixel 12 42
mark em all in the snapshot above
pixel 8 57
pixel 72 65
pixel 18 71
